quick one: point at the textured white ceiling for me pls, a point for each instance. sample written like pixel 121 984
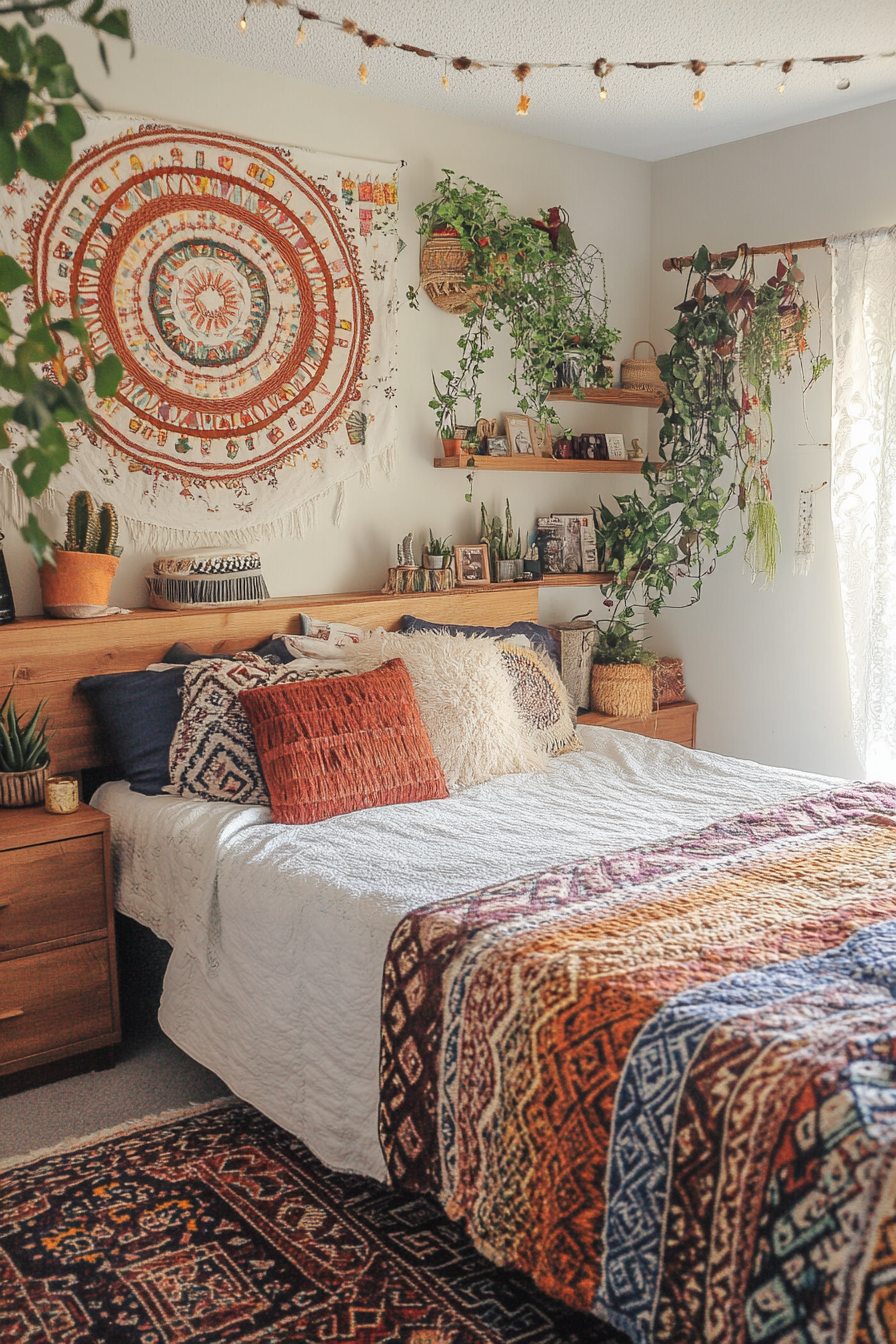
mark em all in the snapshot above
pixel 648 114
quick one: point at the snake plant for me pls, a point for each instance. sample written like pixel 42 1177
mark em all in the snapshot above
pixel 22 746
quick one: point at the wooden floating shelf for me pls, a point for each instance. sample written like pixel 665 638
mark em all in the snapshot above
pixel 526 463
pixel 610 396
pixel 576 580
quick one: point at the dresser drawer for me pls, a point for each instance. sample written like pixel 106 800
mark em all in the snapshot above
pixel 51 891
pixel 53 1001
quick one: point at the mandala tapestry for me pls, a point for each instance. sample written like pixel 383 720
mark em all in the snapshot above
pixel 249 292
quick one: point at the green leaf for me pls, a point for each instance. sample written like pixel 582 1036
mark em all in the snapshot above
pixel 11 274
pixel 14 95
pixel 107 375
pixel 40 544
pixel 69 123
pixel 115 23
pixel 9 158
pixel 5 324
pixel 60 81
pixel 44 154
pixel 48 51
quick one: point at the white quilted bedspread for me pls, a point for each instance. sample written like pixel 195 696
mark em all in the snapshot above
pixel 280 932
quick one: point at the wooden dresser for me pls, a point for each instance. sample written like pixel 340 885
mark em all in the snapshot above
pixel 58 982
pixel 670 723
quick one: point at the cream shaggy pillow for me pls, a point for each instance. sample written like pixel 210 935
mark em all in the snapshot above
pixel 466 698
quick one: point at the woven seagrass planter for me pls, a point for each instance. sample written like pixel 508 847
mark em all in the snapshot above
pixel 23 788
pixel 622 689
pixel 443 273
pixel 80 577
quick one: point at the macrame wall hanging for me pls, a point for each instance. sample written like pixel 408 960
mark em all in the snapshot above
pixel 804 553
pixel 249 291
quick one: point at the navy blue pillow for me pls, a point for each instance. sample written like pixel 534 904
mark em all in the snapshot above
pixel 540 635
pixel 139 712
pixel 272 650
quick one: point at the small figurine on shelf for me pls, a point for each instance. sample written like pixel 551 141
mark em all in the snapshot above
pixel 635 452
pixel 531 561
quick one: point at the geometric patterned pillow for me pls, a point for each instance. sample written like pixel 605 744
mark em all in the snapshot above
pixel 213 751
pixel 541 698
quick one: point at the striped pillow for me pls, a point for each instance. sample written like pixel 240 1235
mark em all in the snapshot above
pixel 330 747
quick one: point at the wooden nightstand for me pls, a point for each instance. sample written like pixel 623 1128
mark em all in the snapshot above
pixel 670 723
pixel 58 981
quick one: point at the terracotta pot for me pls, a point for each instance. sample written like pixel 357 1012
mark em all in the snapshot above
pixel 23 788
pixel 80 578
pixel 452 447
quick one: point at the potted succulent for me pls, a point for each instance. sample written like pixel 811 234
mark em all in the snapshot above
pixel 438 553
pixel 505 550
pixel 85 563
pixel 622 676
pixel 24 756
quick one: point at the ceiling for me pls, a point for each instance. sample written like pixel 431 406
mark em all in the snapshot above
pixel 647 114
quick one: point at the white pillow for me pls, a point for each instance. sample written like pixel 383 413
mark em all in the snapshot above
pixel 324 639
pixel 466 698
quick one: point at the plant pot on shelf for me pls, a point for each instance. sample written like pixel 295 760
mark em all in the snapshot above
pixel 23 788
pixel 622 689
pixel 80 578
pixel 452 447
pixel 435 561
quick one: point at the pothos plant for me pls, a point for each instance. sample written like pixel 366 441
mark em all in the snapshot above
pixel 732 337
pixel 39 123
pixel 524 275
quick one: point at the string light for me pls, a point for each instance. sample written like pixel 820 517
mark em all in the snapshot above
pixel 601 68
pixel 521 72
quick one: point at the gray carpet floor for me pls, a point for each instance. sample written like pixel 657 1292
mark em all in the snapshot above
pixel 150 1075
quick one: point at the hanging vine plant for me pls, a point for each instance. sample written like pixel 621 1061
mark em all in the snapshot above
pixel 520 274
pixel 732 337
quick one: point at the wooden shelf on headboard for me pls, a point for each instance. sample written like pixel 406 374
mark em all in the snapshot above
pixel 45 659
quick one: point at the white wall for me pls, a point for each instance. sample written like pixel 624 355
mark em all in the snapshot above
pixel 608 198
pixel 768 666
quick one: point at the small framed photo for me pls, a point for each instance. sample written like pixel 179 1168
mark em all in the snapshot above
pixel 497 447
pixel 615 448
pixel 471 564
pixel 541 438
pixel 466 433
pixel 516 427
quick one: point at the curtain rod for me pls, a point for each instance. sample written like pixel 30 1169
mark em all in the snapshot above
pixel 678 263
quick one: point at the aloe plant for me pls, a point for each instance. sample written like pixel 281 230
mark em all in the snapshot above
pixel 22 747
pixel 438 546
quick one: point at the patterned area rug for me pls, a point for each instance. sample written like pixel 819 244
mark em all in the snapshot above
pixel 217 1226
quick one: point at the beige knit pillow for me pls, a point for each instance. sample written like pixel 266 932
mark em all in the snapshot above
pixel 466 698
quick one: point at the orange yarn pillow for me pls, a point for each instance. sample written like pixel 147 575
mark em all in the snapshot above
pixel 329 747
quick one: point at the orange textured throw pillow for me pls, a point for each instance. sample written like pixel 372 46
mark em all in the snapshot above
pixel 329 747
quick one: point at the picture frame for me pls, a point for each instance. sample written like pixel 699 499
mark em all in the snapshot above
pixel 615 448
pixel 497 447
pixel 516 430
pixel 541 438
pixel 471 565
pixel 466 433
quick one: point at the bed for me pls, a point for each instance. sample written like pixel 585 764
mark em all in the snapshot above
pixel 634 1191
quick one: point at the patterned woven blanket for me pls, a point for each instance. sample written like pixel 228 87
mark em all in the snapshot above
pixel 663 1083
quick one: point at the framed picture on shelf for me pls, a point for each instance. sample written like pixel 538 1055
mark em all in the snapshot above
pixel 471 564
pixel 497 447
pixel 516 428
pixel 615 448
pixel 541 438
pixel 466 433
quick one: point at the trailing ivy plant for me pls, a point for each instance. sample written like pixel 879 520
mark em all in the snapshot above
pixel 731 338
pixel 526 276
pixel 39 123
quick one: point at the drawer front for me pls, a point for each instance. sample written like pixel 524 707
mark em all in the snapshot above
pixel 54 999
pixel 51 891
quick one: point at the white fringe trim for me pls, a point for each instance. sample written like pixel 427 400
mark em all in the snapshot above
pixel 147 536
pixel 119 1131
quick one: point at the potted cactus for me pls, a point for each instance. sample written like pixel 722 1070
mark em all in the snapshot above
pixel 505 550
pixel 85 562
pixel 24 756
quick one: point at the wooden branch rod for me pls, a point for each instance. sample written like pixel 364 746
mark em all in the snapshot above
pixel 806 245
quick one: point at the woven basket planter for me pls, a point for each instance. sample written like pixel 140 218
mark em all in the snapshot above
pixel 642 375
pixel 443 274
pixel 23 788
pixel 79 578
pixel 668 682
pixel 622 690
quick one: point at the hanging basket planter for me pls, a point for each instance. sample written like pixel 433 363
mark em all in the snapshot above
pixel 444 264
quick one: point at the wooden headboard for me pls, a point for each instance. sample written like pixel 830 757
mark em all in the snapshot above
pixel 45 659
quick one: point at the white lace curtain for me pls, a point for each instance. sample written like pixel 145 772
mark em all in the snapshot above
pixel 863 484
